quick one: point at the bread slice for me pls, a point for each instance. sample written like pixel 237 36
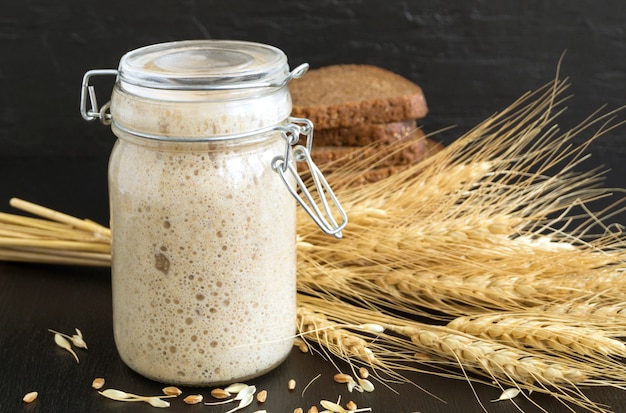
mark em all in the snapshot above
pixel 411 148
pixel 363 135
pixel 354 178
pixel 354 95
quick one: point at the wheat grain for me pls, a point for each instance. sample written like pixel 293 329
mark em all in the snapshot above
pixel 30 397
pixel 97 383
pixel 220 393
pixel 342 378
pixel 193 399
pixel 261 396
pixel 301 344
pixel 348 380
pixel 291 384
pixel 172 391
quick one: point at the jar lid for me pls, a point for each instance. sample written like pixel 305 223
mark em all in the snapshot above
pixel 205 65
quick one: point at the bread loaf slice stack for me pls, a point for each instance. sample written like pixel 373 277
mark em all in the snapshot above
pixel 362 111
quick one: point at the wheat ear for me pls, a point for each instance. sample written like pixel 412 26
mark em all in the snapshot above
pixel 603 314
pixel 315 326
pixel 540 331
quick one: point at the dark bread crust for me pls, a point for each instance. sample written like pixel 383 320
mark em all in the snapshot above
pixel 354 95
pixel 361 177
pixel 413 148
pixel 363 135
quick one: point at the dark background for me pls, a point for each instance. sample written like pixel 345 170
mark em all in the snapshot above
pixel 472 58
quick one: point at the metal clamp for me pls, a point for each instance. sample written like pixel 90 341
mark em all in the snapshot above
pixel 86 89
pixel 96 112
pixel 291 132
pixel 282 165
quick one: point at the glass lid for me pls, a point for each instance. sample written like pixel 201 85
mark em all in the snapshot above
pixel 205 65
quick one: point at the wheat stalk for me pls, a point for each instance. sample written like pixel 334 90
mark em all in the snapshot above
pixel 52 237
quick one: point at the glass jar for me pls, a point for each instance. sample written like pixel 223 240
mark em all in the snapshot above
pixel 201 185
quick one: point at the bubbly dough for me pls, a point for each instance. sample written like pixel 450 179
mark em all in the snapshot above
pixel 203 260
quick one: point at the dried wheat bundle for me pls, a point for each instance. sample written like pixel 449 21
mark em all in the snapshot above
pixel 498 220
pixel 52 237
pixel 498 223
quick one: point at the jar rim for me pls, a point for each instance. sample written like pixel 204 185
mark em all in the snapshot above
pixel 196 65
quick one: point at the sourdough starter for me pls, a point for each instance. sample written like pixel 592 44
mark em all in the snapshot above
pixel 203 259
pixel 203 284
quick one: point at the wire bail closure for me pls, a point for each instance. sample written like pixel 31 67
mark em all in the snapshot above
pixel 281 164
pixel 105 117
pixel 88 90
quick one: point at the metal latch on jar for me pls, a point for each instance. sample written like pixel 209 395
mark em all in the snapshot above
pixel 282 165
pixel 95 112
pixel 88 90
